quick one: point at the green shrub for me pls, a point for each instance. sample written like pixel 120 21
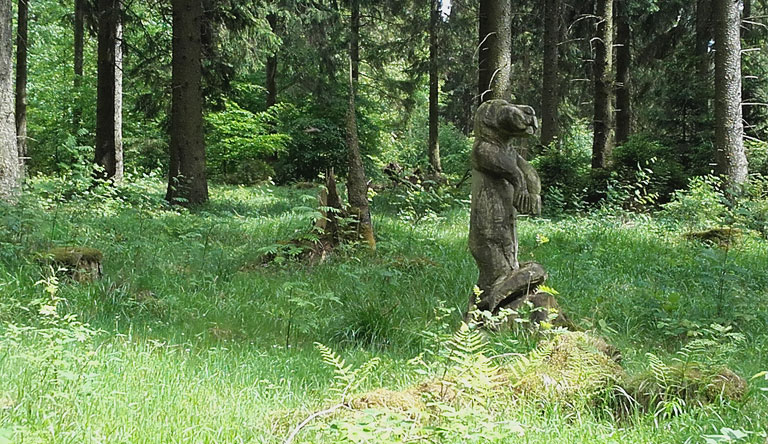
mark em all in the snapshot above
pixel 565 170
pixel 701 205
pixel 317 142
pixel 665 171
pixel 240 143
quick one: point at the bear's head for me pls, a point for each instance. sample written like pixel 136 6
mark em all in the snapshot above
pixel 498 120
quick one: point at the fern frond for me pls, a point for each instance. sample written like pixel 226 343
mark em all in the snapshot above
pixel 345 379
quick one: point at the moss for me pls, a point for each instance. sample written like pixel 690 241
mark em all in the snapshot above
pixel 694 384
pixel 382 398
pixel 73 256
pixel 722 237
pixel 572 368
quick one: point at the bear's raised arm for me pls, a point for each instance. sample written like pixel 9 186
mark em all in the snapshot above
pixel 493 159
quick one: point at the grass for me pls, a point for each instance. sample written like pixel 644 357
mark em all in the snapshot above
pixel 198 341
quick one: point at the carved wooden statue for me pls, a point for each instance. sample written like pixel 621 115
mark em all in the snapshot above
pixel 503 184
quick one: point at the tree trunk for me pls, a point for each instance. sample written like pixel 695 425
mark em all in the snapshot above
pixel 9 154
pixel 357 185
pixel 21 82
pixel 434 89
pixel 623 65
pixel 272 66
pixel 109 101
pixel 704 35
pixel 77 112
pixel 187 183
pixel 602 146
pixel 495 50
pixel 550 92
pixel 729 127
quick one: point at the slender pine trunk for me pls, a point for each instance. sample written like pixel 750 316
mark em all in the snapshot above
pixel 109 100
pixel 357 185
pixel 550 95
pixel 623 65
pixel 9 153
pixel 729 127
pixel 187 182
pixel 77 112
pixel 434 89
pixel 495 50
pixel 22 35
pixel 603 142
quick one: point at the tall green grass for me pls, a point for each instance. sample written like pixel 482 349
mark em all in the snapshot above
pixel 198 340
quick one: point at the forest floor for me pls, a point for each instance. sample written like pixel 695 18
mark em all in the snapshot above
pixel 190 337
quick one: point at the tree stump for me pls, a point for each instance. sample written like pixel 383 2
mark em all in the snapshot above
pixel 82 264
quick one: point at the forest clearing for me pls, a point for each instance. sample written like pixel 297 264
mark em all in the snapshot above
pixel 444 221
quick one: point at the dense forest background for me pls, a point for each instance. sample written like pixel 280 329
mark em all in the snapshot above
pixel 177 263
pixel 275 88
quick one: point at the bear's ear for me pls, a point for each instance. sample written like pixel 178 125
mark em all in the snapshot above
pixel 493 113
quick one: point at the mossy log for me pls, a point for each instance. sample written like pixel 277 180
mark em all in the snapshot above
pixel 83 264
pixel 722 237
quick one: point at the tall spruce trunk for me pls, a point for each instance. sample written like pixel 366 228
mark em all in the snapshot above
pixel 623 65
pixel 22 35
pixel 603 142
pixel 271 67
pixel 729 127
pixel 495 50
pixel 187 182
pixel 109 100
pixel 550 91
pixel 9 153
pixel 357 185
pixel 434 89
pixel 79 43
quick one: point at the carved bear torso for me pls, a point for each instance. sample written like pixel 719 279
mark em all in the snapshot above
pixel 503 183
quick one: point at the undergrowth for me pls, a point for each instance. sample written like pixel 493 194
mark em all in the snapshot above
pixel 190 337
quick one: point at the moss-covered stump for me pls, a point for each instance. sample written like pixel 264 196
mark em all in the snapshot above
pixel 571 368
pixel 693 384
pixel 722 237
pixel 82 264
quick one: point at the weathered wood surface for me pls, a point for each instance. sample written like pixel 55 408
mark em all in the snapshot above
pixel 503 184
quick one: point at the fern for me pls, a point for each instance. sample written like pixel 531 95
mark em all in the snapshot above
pixel 346 379
pixel 473 374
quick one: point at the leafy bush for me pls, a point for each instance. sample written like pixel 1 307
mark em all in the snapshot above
pixel 317 142
pixel 757 155
pixel 701 205
pixel 565 169
pixel 664 168
pixel 240 143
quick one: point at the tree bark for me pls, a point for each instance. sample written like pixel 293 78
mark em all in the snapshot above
pixel 623 65
pixel 434 89
pixel 495 50
pixel 77 112
pixel 357 185
pixel 187 182
pixel 603 142
pixel 22 35
pixel 109 101
pixel 729 127
pixel 550 92
pixel 272 67
pixel 9 154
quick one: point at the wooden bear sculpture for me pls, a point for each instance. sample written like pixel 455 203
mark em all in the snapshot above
pixel 503 184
